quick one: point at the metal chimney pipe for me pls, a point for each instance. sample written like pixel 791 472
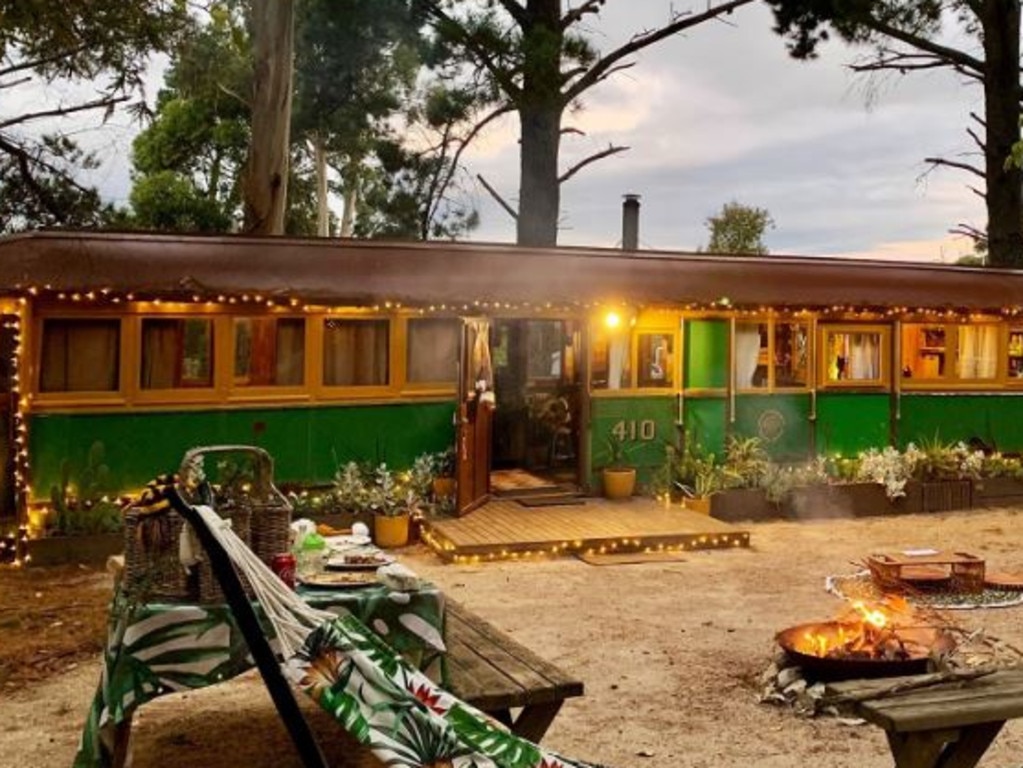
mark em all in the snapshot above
pixel 630 223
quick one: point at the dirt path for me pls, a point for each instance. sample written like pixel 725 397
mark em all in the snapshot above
pixel 669 653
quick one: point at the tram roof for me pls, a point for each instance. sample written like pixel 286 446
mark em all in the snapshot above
pixel 366 272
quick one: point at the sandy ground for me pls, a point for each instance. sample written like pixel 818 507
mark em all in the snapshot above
pixel 669 653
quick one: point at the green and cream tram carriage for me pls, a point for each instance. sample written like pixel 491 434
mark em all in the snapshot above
pixel 323 351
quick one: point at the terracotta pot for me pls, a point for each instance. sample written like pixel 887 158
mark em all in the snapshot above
pixel 698 504
pixel 391 530
pixel 619 483
pixel 443 487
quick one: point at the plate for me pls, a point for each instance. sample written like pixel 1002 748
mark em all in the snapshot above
pixel 357 561
pixel 347 541
pixel 339 580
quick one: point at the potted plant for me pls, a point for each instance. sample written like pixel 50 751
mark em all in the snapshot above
pixel 392 511
pixel 618 475
pixel 444 474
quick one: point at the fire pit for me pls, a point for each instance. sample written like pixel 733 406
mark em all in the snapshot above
pixel 870 645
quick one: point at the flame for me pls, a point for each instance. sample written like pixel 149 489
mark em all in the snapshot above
pixel 867 631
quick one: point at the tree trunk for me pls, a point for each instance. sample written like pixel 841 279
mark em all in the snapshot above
pixel 348 213
pixel 540 106
pixel 322 207
pixel 265 191
pixel 1001 30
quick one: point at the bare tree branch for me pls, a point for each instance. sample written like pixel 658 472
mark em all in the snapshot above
pixel 42 62
pixel 951 55
pixel 500 200
pixel 462 144
pixel 611 150
pixel 576 14
pixel 25 162
pixel 935 161
pixel 105 103
pixel 15 83
pixel 638 43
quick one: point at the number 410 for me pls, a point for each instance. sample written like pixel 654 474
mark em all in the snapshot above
pixel 631 429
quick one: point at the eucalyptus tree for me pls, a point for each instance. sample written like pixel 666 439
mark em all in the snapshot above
pixel 978 40
pixel 60 63
pixel 538 62
pixel 739 229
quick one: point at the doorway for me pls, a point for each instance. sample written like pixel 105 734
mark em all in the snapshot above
pixel 536 428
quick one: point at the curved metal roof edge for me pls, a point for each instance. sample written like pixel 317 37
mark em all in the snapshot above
pixel 493 247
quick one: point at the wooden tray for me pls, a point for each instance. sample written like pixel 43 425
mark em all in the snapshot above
pixel 1004 580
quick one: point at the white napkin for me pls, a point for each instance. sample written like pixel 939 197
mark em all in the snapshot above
pixel 396 576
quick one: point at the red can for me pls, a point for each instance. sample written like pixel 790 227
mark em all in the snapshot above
pixel 284 566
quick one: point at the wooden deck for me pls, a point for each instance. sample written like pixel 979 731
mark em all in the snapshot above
pixel 503 528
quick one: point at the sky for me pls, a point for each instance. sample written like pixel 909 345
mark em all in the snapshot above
pixel 722 113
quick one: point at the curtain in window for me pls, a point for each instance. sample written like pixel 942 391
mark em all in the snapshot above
pixel 864 357
pixel 355 353
pixel 161 354
pixel 80 356
pixel 618 361
pixel 747 352
pixel 433 351
pixel 290 353
pixel 978 351
pixel 481 368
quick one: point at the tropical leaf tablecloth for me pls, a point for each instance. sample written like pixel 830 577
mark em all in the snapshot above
pixel 154 649
pixel 398 712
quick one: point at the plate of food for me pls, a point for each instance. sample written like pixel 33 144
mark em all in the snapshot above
pixel 338 580
pixel 356 560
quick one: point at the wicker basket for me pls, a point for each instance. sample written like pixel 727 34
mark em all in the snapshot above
pixel 152 569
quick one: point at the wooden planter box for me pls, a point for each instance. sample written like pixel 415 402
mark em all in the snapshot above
pixel 997 492
pixel 88 549
pixel 946 495
pixel 740 504
pixel 848 500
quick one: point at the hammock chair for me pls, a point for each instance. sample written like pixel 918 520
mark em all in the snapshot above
pixel 394 709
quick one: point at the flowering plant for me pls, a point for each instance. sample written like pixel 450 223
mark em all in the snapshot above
pixel 888 467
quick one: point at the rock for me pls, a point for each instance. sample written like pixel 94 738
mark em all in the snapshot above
pixel 788 676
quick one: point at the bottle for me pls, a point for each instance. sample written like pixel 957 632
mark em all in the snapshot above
pixel 311 553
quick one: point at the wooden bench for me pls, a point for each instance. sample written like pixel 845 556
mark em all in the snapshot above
pixel 497 674
pixel 950 724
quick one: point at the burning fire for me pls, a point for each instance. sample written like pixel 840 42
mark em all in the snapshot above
pixel 866 632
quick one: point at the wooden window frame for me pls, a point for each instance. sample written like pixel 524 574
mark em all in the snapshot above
pixel 238 393
pixel 882 383
pixel 422 388
pixel 949 381
pixel 113 397
pixel 665 330
pixel 219 326
pixel 395 366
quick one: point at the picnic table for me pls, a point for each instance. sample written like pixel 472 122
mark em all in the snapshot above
pixel 945 725
pixel 157 648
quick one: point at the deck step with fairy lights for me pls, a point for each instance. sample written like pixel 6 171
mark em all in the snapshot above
pixel 505 529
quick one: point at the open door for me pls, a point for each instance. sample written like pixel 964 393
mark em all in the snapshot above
pixel 475 416
pixel 8 403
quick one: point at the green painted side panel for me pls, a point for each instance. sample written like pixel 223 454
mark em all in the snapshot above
pixel 306 443
pixel 706 421
pixel 706 354
pixel 995 419
pixel 850 422
pixel 781 421
pixel 648 424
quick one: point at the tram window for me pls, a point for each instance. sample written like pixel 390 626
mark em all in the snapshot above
pixel 934 352
pixel 977 352
pixel 1015 352
pixel 853 357
pixel 752 355
pixel 432 356
pixel 611 360
pixel 655 366
pixel 269 351
pixel 176 353
pixel 923 351
pixel 80 355
pixel 791 354
pixel 355 353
